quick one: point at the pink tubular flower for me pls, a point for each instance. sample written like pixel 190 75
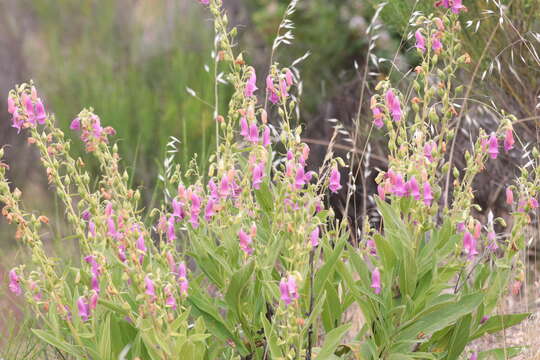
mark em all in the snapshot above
pixel 251 85
pixel 377 117
pixel 14 283
pixel 533 202
pixel 75 124
pixel 289 77
pixel 413 189
pixel 84 308
pixel 91 229
pixel 171 235
pixel 508 140
pixel 209 210
pixel 376 281
pixel 150 290
pixel 257 175
pixel 428 196
pixel 272 94
pixel 11 105
pixel 141 246
pixel 493 149
pixel 170 301
pixel 40 112
pixel 509 196
pixel 314 237
pixel 253 135
pixel 457 6
pixel 420 41
pixel 288 290
pixel 205 2
pixel 398 186
pixel 381 191
pixel 428 150
pixel 244 127
pixel 394 106
pixel 245 242
pixel 93 300
pixel 178 209
pixel 469 245
pixel 436 43
pixel 283 89
pixel 181 273
pixel 335 178
pixel 266 136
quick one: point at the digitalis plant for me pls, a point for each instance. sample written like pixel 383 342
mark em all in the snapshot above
pixel 246 262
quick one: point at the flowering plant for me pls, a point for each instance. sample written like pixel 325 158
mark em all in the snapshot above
pixel 246 262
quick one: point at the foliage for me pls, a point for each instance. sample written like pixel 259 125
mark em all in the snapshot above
pixel 246 261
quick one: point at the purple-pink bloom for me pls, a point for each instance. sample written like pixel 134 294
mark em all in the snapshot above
pixel 93 300
pixel 178 209
pixel 314 237
pixel 508 140
pixel 257 175
pixel 413 189
pixel 204 2
pixel 457 6
pixel 11 105
pixel 141 246
pixel 289 77
pixel 251 85
pixel 171 235
pixel 95 282
pixel 469 245
pixel 509 196
pixel 272 94
pixel 181 273
pixel 335 179
pixel 376 281
pixel 533 202
pixel 420 41
pixel 84 308
pixel 394 106
pixel 492 240
pixel 244 127
pixel 428 196
pixel 245 242
pixel 377 117
pixel 381 191
pixel 209 210
pixel 14 283
pixel 474 355
pixel 428 150
pixel 150 290
pixel 266 136
pixel 283 89
pixel 253 135
pixel 493 149
pixel 170 301
pixel 436 43
pixel 398 186
pixel 91 229
pixel 288 290
pixel 40 112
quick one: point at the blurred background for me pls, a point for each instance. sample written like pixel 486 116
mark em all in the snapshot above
pixel 133 62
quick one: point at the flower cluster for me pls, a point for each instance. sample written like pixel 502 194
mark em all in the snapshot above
pixel 92 133
pixel 26 109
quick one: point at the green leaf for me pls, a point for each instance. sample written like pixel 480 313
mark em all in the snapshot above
pixel 105 338
pixel 324 272
pixel 331 341
pixel 271 337
pixel 239 281
pixel 460 337
pixel 499 322
pixel 500 354
pixel 57 343
pixel 438 319
pixel 264 198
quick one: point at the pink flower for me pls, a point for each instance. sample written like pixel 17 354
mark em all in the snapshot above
pixel 381 191
pixel 474 356
pixel 181 273
pixel 289 77
pixel 150 290
pixel 170 300
pixel 413 189
pixel 14 283
pixel 251 85
pixel 314 237
pixel 394 106
pixel 272 94
pixel 95 283
pixel 457 7
pixel 533 202
pixel 178 209
pixel 209 210
pixel 11 105
pixel 469 245
pixel 509 140
pixel 493 144
pixel 245 242
pixel 335 178
pixel 84 308
pixel 372 247
pixel 376 281
pixel 509 196
pixel 288 290
pixel 420 41
pixel 283 89
pixel 91 229
pixel 40 112
pixel 141 246
pixel 428 196
pixel 398 186
pixel 428 150
pixel 171 235
pixel 93 300
pixel 436 43
pixel 204 2
pixel 377 117
pixel 257 175
pixel 253 135
pixel 266 136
